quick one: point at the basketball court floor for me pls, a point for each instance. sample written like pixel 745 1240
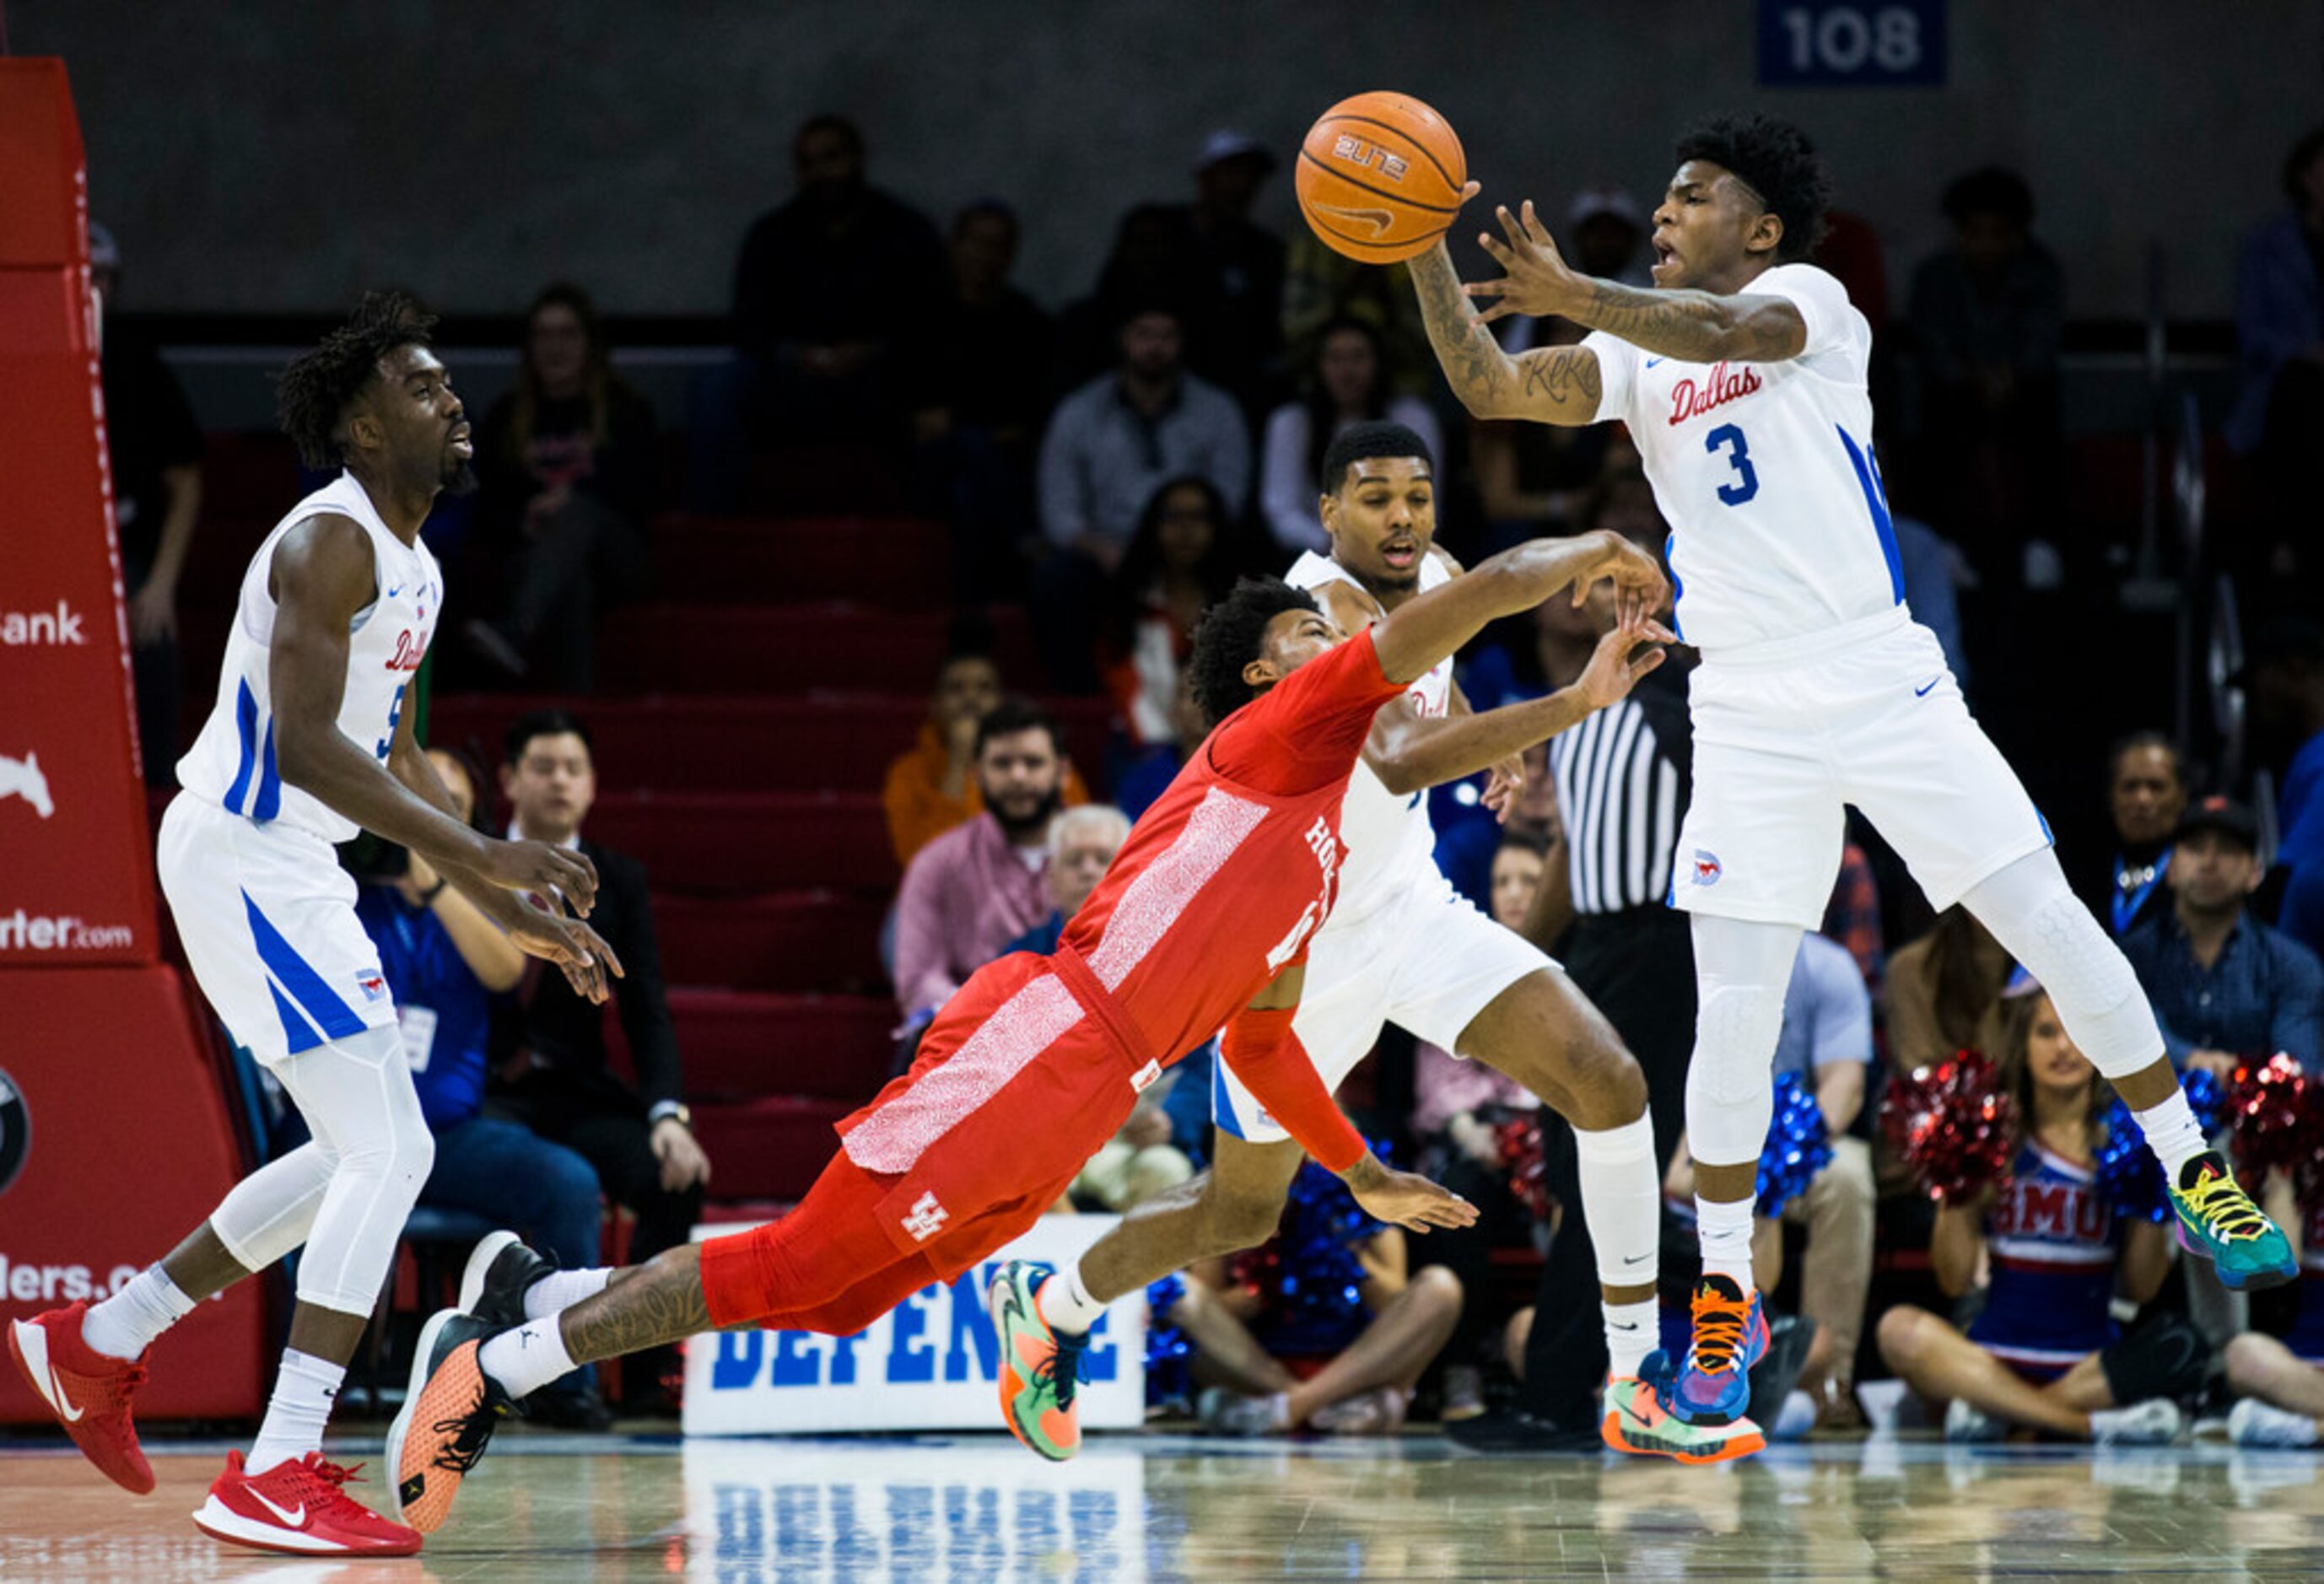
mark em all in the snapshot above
pixel 571 1508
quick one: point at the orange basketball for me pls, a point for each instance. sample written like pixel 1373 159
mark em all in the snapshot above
pixel 1380 177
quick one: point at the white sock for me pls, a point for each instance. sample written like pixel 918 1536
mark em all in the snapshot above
pixel 1065 1303
pixel 562 1290
pixel 1621 1201
pixel 2171 1134
pixel 145 1305
pixel 527 1358
pixel 1633 1331
pixel 1725 1230
pixel 304 1394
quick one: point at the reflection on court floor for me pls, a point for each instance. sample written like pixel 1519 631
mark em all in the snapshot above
pixel 1161 1507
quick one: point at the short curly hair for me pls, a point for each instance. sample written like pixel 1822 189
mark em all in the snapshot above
pixel 1230 636
pixel 1774 159
pixel 313 394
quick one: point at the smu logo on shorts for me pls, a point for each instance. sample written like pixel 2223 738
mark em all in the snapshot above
pixel 372 986
pixel 926 1218
pixel 1706 867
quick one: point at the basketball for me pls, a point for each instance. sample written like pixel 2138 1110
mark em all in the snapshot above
pixel 1379 176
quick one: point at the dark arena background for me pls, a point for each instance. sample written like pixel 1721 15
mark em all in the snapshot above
pixel 858 389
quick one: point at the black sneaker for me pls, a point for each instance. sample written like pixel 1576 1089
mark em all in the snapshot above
pixel 1789 1336
pixel 499 1272
pixel 1515 1431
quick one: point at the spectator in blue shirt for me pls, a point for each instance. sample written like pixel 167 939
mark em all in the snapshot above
pixel 2284 678
pixel 445 962
pixel 2226 988
pixel 2147 783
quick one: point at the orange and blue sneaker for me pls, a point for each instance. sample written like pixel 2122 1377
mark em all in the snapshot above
pixel 1637 1421
pixel 2218 1221
pixel 1713 1387
pixel 449 1413
pixel 1040 1369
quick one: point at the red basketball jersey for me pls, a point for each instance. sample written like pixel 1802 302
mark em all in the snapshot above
pixel 1231 872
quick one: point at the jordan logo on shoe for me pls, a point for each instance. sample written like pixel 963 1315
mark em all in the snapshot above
pixel 291 1520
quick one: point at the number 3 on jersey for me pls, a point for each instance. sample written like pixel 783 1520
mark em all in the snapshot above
pixel 394 719
pixel 1746 483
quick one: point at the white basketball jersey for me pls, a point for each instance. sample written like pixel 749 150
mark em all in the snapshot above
pixel 231 762
pixel 1779 529
pixel 1387 839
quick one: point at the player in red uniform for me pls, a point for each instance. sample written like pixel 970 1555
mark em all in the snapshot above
pixel 1202 920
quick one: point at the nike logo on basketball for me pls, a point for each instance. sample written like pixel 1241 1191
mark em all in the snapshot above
pixel 1922 692
pixel 1378 219
pixel 291 1520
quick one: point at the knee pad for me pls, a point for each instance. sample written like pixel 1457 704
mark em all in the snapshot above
pixel 2046 927
pixel 1734 1036
pixel 2166 1358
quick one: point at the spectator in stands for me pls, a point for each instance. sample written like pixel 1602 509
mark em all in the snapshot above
pixel 2284 678
pixel 2226 988
pixel 445 962
pixel 1606 231
pixel 2045 1352
pixel 1851 918
pixel 1184 555
pixel 1460 1107
pixel 995 356
pixel 1245 1316
pixel 1322 287
pixel 568 480
pixel 932 787
pixel 2146 792
pixel 1346 383
pixel 1148 773
pixel 978 886
pixel 1241 268
pixel 1989 310
pixel 1944 992
pixel 548 1048
pixel 1110 445
pixel 155 450
pixel 837 297
pixel 2280 330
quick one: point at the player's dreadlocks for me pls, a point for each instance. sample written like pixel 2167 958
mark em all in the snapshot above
pixel 1774 160
pixel 313 394
pixel 1229 637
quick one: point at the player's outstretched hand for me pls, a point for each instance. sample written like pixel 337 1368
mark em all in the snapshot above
pixel 1536 279
pixel 1628 652
pixel 539 867
pixel 1404 1200
pixel 1631 568
pixel 1502 787
pixel 589 963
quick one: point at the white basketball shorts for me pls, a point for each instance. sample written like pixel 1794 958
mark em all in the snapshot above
pixel 268 919
pixel 1786 735
pixel 1428 963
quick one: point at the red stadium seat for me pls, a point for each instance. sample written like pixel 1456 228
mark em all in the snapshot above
pixel 725 842
pixel 741 1045
pixel 786 941
pixel 770 1148
pixel 788 649
pixel 904 563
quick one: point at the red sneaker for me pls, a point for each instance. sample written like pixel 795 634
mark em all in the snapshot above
pixel 87 1390
pixel 299 1507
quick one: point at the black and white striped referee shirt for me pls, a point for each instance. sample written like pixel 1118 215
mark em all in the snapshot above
pixel 1622 783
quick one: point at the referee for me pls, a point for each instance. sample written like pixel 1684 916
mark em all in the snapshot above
pixel 1622 780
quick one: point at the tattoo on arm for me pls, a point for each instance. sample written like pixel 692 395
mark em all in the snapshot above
pixel 1473 362
pixel 1563 377
pixel 1699 327
pixel 661 1303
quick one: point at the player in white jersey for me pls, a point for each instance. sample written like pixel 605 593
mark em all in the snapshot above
pixel 1741 377
pixel 1401 946
pixel 310 739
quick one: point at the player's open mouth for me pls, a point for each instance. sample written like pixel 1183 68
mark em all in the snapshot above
pixel 463 441
pixel 1400 553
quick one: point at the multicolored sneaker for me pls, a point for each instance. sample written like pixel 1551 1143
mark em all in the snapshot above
pixel 87 1390
pixel 449 1412
pixel 299 1508
pixel 1637 1421
pixel 2218 1221
pixel 1040 1369
pixel 1731 1335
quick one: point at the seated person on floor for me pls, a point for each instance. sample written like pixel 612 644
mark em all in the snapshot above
pixel 2045 1353
pixel 1320 1328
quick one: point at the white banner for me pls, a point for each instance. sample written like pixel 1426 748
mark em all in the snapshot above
pixel 932 1363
